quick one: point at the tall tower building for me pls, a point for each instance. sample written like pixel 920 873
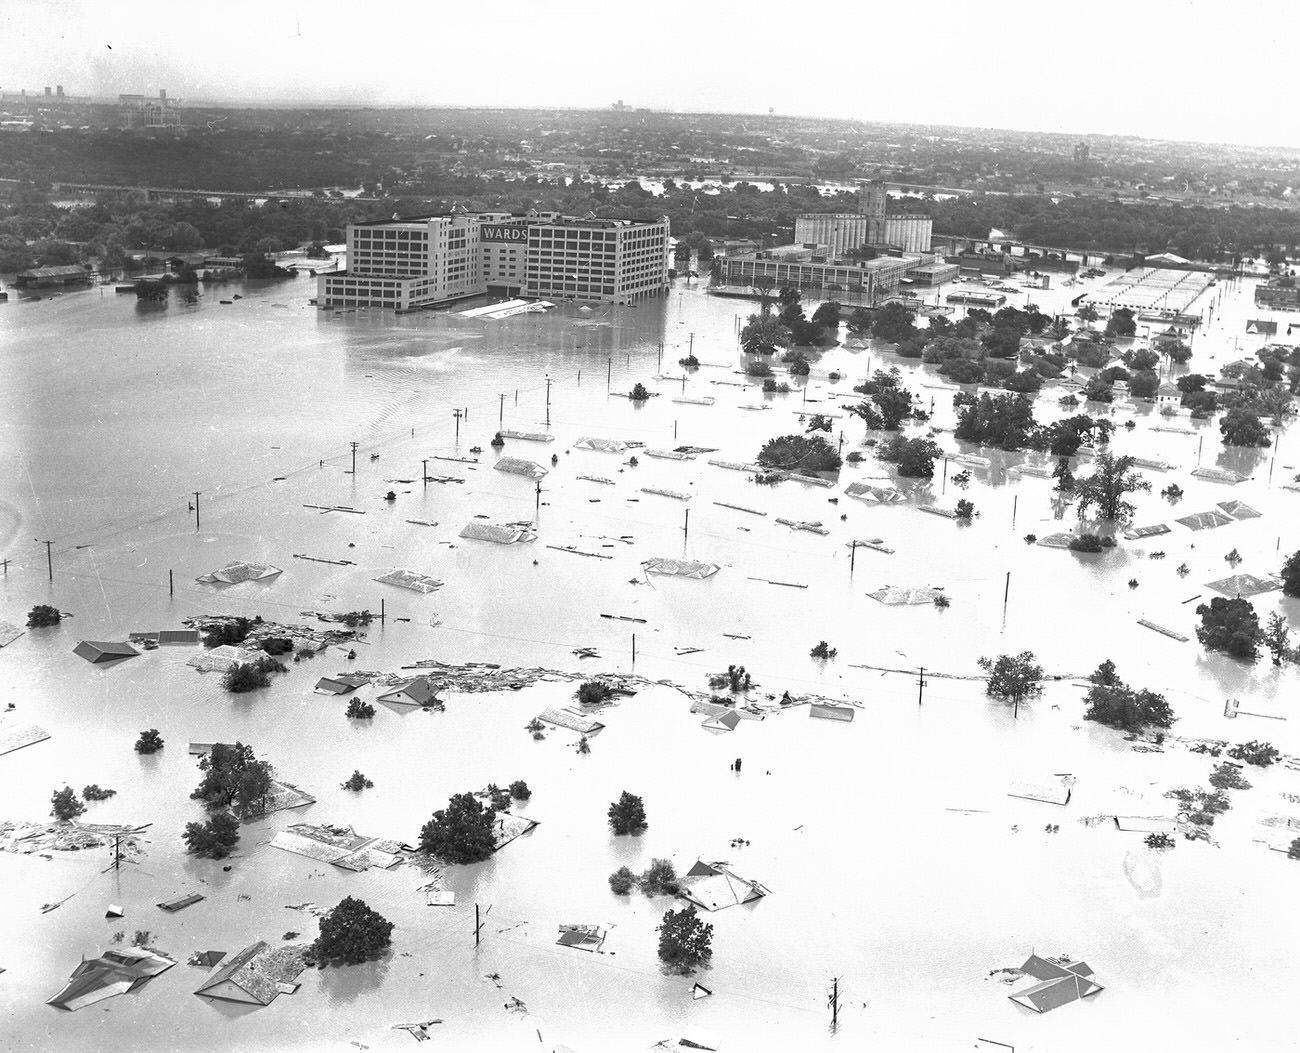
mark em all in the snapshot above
pixel 873 202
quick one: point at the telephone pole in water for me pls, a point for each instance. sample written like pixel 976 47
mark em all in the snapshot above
pixel 920 685
pixel 834 1002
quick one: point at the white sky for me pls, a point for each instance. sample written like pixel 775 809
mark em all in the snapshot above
pixel 1174 69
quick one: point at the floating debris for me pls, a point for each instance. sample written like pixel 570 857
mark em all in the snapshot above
pixel 811 528
pixel 9 633
pixel 1162 630
pixel 16 736
pixel 740 508
pixel 670 455
pixel 171 906
pixel 898 596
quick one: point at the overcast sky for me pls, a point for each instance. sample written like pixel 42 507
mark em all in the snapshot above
pixel 1175 69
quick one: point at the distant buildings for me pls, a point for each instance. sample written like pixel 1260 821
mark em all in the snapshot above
pixel 141 111
pixel 859 257
pixel 425 261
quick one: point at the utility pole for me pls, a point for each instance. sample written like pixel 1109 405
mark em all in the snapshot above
pixel 425 477
pixel 197 523
pixel 1015 501
pixel 686 527
pixel 477 924
pixel 548 400
pixel 48 558
pixel 921 683
pixel 5 563
pixel 354 457
pixel 501 415
pixel 537 510
pixel 834 1002
pixel 457 414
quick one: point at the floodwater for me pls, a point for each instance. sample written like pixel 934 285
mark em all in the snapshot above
pixel 895 860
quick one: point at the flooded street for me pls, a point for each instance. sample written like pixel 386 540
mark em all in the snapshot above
pixel 895 859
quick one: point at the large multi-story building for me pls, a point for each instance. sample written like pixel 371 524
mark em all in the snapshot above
pixel 872 226
pixel 431 260
pixel 140 111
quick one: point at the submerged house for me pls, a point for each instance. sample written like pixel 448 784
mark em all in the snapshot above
pixel 416 693
pixel 104 652
pixel 1061 982
pixel 713 886
pixel 115 972
pixel 255 975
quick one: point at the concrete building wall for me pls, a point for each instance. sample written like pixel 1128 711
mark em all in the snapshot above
pixel 911 233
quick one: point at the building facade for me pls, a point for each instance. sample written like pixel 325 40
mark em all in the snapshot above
pixel 427 261
pixel 872 226
pixel 867 281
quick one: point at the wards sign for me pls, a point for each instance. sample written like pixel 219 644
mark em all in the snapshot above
pixel 498 233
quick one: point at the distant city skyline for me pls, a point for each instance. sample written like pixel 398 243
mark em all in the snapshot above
pixel 1175 69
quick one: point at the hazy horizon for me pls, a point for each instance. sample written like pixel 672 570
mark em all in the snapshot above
pixel 1153 71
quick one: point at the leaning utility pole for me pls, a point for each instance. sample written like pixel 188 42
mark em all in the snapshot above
pixel 921 684
pixel 834 1002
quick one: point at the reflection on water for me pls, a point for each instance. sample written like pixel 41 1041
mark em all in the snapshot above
pixel 896 860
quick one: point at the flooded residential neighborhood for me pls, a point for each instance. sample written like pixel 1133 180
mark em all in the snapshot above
pixel 639 579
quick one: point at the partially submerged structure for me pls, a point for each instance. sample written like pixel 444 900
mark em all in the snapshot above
pixel 898 596
pixel 255 976
pixel 873 494
pixel 220 659
pixel 714 886
pixel 239 571
pixel 104 652
pixel 417 692
pixel 1208 520
pixel 409 579
pixel 1236 585
pixel 681 568
pixel 499 533
pixel 340 846
pixel 1061 981
pixel 581 937
pixel 831 711
pixel 567 718
pixel 517 466
pixel 343 684
pixel 113 973
pixel 603 445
